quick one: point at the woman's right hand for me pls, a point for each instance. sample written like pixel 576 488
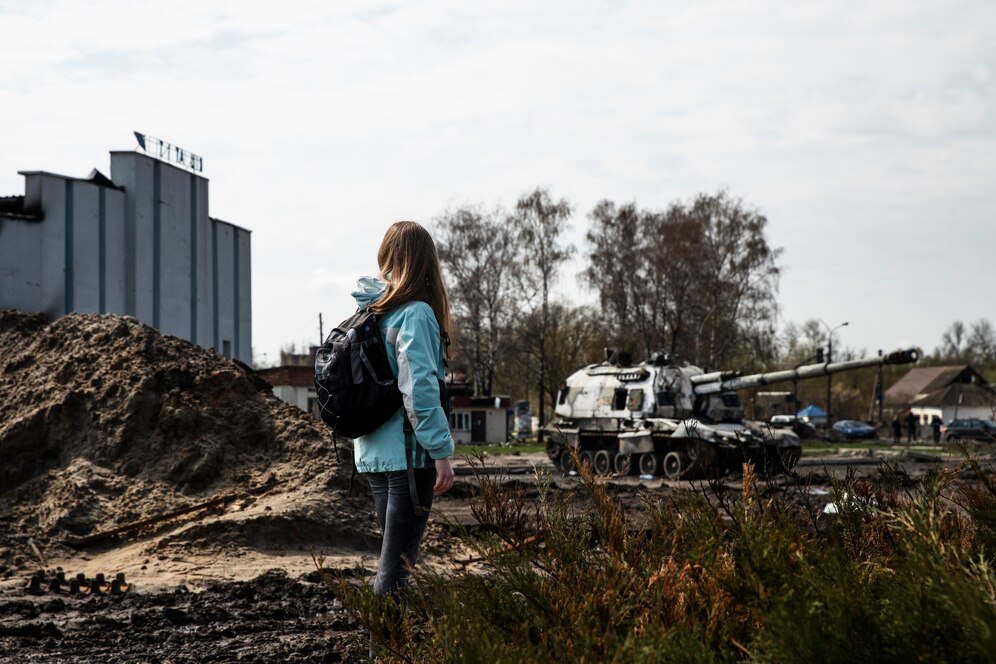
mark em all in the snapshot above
pixel 444 476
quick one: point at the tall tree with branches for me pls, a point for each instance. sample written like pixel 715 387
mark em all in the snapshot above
pixel 616 269
pixel 975 343
pixel 698 279
pixel 575 338
pixel 539 223
pixel 478 253
pixel 739 274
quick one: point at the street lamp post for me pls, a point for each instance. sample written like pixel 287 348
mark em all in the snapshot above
pixel 830 332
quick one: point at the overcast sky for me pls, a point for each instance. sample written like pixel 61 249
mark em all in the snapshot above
pixel 864 131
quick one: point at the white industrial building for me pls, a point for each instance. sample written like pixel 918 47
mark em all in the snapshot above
pixel 139 243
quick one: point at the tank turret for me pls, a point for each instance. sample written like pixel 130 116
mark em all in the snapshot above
pixel 665 416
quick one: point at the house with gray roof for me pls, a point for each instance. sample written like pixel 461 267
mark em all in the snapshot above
pixel 948 392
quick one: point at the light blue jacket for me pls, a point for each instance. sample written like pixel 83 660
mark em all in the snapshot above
pixel 415 351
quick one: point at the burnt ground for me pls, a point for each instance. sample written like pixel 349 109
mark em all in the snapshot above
pixel 271 618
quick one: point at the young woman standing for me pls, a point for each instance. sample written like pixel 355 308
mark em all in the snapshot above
pixel 413 315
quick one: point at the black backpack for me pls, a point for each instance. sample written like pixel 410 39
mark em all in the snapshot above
pixel 357 391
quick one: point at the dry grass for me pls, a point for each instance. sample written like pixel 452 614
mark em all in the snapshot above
pixel 902 572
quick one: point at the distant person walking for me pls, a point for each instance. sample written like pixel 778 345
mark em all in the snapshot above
pixel 910 427
pixel 897 429
pixel 935 427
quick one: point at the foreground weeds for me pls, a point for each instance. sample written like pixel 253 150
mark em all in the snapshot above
pixel 902 572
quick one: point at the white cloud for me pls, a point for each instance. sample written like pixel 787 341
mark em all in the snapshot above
pixel 866 133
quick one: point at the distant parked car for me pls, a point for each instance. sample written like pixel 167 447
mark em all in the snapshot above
pixel 853 430
pixel 969 428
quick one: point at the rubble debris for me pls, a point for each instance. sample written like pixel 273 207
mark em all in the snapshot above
pixel 79 585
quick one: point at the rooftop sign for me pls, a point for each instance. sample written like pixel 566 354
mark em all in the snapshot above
pixel 155 147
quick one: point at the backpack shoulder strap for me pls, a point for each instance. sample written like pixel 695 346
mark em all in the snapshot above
pixel 410 445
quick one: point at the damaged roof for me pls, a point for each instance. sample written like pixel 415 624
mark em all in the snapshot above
pixel 958 394
pixel 13 207
pixel 925 380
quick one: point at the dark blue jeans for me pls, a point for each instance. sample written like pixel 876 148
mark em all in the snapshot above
pixel 401 527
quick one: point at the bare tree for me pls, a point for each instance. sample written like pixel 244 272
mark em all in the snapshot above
pixel 575 338
pixel 615 267
pixel 953 347
pixel 539 222
pixel 790 342
pixel 982 341
pixel 697 279
pixel 814 336
pixel 739 277
pixel 672 250
pixel 975 343
pixel 477 250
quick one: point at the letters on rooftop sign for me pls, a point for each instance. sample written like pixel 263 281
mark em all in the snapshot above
pixel 155 147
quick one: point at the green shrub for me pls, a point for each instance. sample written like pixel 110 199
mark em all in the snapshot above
pixel 902 572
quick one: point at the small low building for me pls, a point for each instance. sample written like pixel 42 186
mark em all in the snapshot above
pixel 948 392
pixel 294 381
pixel 482 419
pixel 485 420
pixel 295 385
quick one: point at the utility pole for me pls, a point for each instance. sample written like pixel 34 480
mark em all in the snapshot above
pixel 830 332
pixel 321 330
pixel 881 389
pixel 829 379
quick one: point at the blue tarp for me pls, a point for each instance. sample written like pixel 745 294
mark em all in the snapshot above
pixel 811 411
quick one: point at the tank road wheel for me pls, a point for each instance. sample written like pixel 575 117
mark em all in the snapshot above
pixel 587 458
pixel 649 464
pixel 601 463
pixel 673 465
pixel 566 460
pixel 623 464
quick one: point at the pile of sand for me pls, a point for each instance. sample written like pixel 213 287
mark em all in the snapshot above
pixel 105 421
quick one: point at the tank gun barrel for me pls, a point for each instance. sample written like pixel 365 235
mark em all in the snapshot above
pixel 724 384
pixel 713 376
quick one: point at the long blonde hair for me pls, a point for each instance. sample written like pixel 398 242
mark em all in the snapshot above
pixel 409 264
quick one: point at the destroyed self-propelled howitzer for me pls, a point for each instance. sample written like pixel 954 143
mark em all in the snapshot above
pixel 671 418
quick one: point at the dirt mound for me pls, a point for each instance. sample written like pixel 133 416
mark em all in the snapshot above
pixel 105 421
